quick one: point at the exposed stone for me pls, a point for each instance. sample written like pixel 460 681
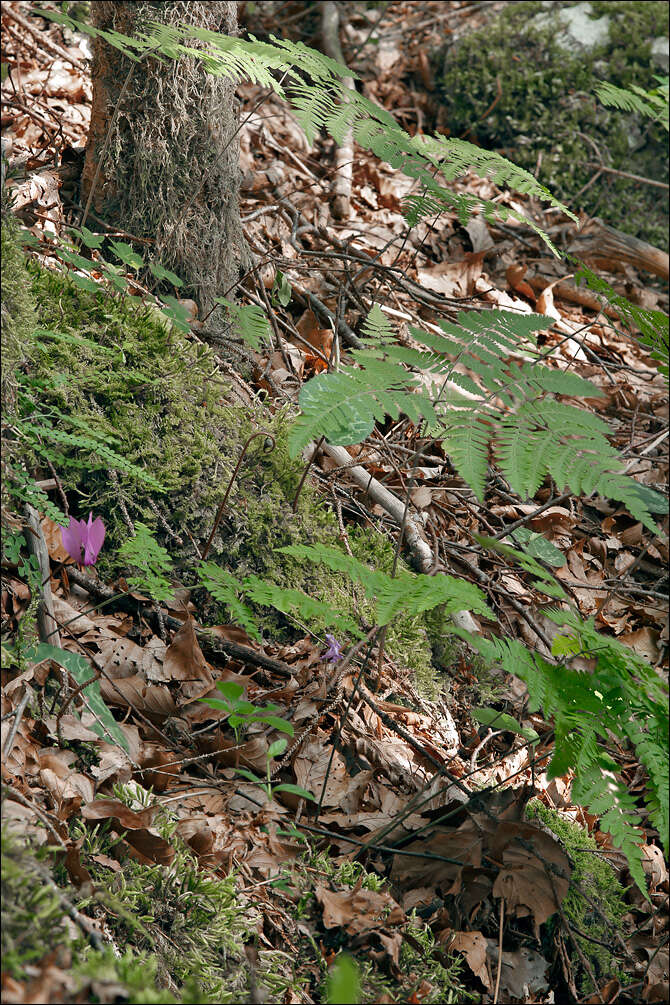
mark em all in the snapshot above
pixel 580 29
pixel 660 53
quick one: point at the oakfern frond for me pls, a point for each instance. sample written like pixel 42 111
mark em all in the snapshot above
pixel 325 103
pixel 597 787
pixel 228 591
pixel 249 321
pixel 407 593
pixel 651 104
pixel 654 326
pixel 344 407
pixel 623 696
pixel 510 407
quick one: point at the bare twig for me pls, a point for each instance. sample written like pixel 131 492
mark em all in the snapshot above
pixel 46 622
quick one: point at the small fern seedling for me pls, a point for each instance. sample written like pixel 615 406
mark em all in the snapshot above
pixel 152 562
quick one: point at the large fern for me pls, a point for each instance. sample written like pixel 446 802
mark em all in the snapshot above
pixel 314 86
pixel 653 326
pixel 623 698
pixel 651 104
pixel 407 593
pixel 501 406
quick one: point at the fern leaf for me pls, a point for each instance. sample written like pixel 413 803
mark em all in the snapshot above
pixel 225 589
pixel 598 788
pixel 344 407
pixel 466 439
pixel 654 326
pixel 296 602
pixel 407 593
pixel 249 321
pixel 652 105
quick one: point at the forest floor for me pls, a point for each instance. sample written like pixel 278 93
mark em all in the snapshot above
pixel 159 872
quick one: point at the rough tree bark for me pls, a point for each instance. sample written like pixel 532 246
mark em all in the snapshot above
pixel 167 161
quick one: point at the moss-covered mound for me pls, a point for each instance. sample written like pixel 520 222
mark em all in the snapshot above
pixel 514 87
pixel 139 425
pixel 594 906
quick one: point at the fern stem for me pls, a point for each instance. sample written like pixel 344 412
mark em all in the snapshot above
pixel 304 474
pixel 219 514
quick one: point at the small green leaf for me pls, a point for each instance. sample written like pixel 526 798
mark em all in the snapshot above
pixel 249 775
pixel 276 748
pixel 281 724
pixel 87 236
pixel 538 546
pixel 282 290
pixel 500 720
pixel 126 254
pixel 162 273
pixel 230 689
pixel 222 706
pixel 84 283
pixel 344 986
pixel 295 789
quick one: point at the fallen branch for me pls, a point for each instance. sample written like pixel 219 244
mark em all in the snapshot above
pixel 344 154
pixel 420 551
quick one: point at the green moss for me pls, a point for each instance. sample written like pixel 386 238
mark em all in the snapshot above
pixel 116 370
pixel 32 919
pixel 19 315
pixel 113 369
pixel 602 916
pixel 510 87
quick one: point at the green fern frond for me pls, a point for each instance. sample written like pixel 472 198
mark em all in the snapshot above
pixel 325 103
pixel 344 407
pixel 597 787
pixel 624 696
pixel 225 589
pixel 249 321
pixel 36 428
pixel 467 436
pixel 512 411
pixel 654 326
pixel 298 603
pixel 650 104
pixel 377 326
pixel 406 593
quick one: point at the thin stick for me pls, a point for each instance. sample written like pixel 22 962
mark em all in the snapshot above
pixel 46 621
pixel 500 942
pixel 9 742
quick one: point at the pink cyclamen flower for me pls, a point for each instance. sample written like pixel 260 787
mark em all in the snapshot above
pixel 334 650
pixel 82 540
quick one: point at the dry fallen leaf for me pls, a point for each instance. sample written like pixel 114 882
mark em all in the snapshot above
pixel 183 658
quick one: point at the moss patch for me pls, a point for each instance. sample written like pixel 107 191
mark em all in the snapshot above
pixel 116 371
pixel 510 87
pixel 602 916
pixel 19 315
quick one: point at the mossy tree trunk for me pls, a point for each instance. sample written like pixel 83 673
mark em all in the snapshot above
pixel 167 158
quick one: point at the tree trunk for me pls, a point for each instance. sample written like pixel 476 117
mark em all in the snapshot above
pixel 167 158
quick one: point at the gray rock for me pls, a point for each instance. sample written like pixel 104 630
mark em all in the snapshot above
pixel 660 53
pixel 575 27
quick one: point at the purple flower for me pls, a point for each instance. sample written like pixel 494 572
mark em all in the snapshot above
pixel 82 540
pixel 334 650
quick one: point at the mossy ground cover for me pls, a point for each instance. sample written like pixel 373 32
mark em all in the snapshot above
pixel 114 370
pixel 511 87
pixel 178 933
pixel 595 903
